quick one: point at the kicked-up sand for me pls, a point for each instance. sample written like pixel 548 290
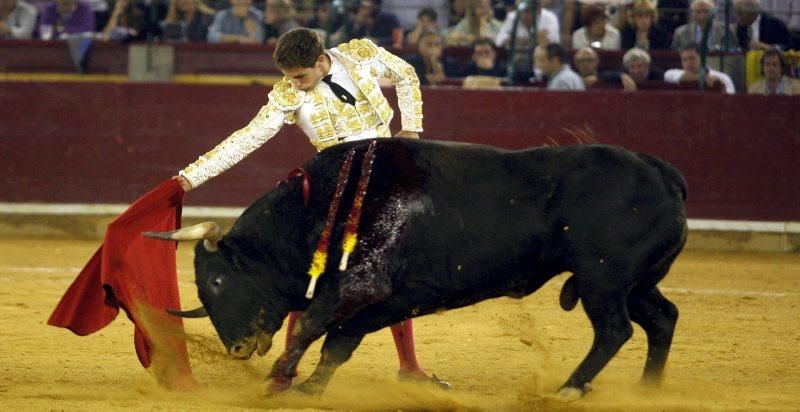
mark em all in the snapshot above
pixel 735 348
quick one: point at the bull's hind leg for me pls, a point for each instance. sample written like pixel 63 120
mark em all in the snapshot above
pixel 657 316
pixel 608 314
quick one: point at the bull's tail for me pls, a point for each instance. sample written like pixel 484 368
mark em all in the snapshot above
pixel 669 172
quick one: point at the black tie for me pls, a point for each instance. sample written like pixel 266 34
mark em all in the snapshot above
pixel 339 91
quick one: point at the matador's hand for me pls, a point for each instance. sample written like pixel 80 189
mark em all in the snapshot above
pixel 184 183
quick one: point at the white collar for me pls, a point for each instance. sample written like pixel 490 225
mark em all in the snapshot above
pixel 336 66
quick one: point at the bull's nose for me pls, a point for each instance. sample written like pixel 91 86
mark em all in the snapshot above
pixel 241 351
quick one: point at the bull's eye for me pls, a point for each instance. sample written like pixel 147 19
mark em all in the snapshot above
pixel 216 283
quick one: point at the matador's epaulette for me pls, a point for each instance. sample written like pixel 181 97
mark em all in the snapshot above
pixel 359 50
pixel 286 95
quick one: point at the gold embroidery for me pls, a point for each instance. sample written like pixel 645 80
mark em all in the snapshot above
pixel 359 50
pixel 238 145
pixel 364 62
pixel 288 97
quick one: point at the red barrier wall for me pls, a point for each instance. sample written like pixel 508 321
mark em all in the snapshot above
pixel 109 143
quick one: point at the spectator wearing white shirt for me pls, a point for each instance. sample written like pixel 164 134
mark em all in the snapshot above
pixel 596 32
pixel 547 28
pixel 690 60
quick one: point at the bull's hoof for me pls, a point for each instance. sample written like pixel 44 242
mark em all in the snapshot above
pixel 570 394
pixel 277 384
pixel 309 388
pixel 433 380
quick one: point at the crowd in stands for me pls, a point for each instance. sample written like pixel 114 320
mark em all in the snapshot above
pixel 423 28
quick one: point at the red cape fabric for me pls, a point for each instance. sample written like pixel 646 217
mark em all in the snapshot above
pixel 139 275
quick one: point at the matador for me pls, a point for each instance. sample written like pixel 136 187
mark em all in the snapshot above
pixel 334 96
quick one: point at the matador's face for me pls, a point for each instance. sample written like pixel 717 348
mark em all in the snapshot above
pixel 306 78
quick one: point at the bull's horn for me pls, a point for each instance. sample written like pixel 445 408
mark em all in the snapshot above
pixel 209 231
pixel 194 313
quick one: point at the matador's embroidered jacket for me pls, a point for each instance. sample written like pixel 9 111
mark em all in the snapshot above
pixel 323 117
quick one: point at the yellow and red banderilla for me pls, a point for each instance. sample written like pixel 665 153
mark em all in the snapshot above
pixel 320 259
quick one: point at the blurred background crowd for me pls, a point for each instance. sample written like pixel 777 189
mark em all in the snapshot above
pixel 559 44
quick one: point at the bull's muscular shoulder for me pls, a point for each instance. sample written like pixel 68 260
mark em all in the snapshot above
pixel 286 95
pixel 359 50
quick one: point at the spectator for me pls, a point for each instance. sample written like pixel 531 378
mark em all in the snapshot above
pixel 566 12
pixel 551 60
pixel 547 28
pixel 63 18
pixel 187 20
pixel 692 32
pixel 216 5
pixel 125 24
pixel 101 11
pixel 756 30
pixel 407 11
pixel 587 61
pixel 278 19
pixel 430 65
pixel 775 82
pixel 17 19
pixel 370 22
pixel 788 11
pixel 457 11
pixel 484 60
pixel 426 21
pixel 154 11
pixel 690 60
pixel 324 17
pixel 641 29
pixel 240 23
pixel 596 32
pixel 328 21
pixel 673 13
pixel 637 65
pixel 478 22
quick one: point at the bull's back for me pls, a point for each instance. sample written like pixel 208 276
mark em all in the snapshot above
pixel 495 219
pixel 503 222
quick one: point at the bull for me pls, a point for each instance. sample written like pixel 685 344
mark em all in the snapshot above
pixel 445 225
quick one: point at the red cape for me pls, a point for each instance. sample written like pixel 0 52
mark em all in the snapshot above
pixel 139 275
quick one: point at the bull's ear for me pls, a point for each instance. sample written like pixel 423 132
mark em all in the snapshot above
pixel 209 231
pixel 194 313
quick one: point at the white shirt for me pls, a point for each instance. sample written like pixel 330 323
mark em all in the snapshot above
pixel 611 40
pixel 339 76
pixel 547 20
pixel 674 76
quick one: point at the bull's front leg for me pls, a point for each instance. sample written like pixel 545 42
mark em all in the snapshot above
pixel 336 350
pixel 329 309
pixel 310 326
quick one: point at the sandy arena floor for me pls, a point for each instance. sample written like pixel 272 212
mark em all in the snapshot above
pixel 735 348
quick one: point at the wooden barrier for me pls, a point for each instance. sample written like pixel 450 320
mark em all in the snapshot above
pixel 109 143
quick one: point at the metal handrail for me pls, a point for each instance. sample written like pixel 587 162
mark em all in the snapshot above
pixel 704 48
pixel 512 44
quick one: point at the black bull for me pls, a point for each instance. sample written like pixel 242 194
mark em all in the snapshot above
pixel 447 225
